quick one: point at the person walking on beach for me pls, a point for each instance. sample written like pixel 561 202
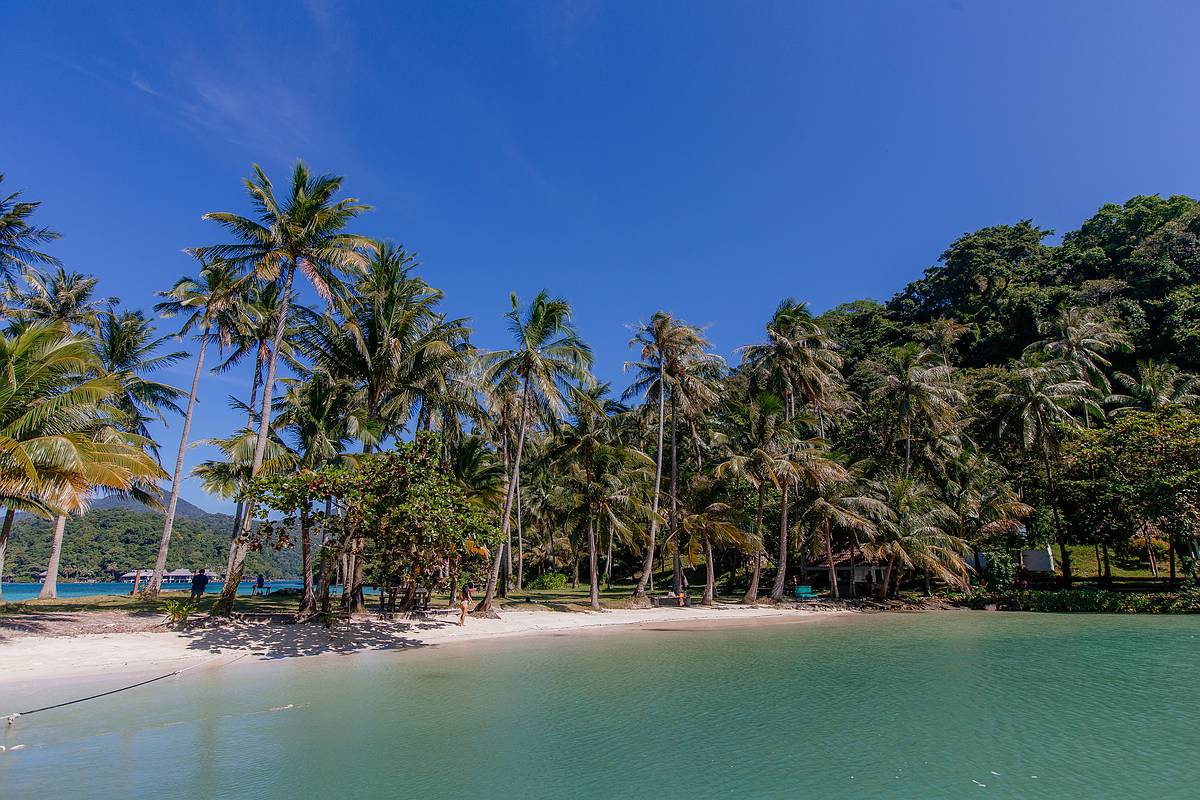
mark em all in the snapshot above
pixel 465 603
pixel 260 585
pixel 199 584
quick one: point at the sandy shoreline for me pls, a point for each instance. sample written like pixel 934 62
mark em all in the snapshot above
pixel 31 658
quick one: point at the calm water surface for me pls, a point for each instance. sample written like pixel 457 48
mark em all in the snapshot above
pixel 943 705
pixel 16 592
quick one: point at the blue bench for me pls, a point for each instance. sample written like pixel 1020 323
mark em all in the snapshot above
pixel 805 593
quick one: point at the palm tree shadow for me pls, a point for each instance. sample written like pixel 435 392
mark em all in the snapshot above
pixel 270 641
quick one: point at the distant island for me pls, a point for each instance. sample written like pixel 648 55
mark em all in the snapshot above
pixel 119 534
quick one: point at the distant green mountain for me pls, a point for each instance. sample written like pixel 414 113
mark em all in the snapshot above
pixel 116 537
pixel 183 509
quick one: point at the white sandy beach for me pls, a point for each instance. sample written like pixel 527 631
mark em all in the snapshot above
pixel 33 658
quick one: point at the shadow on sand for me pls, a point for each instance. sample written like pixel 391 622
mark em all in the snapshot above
pixel 272 640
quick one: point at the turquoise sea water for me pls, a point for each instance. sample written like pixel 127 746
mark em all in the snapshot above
pixel 945 705
pixel 16 592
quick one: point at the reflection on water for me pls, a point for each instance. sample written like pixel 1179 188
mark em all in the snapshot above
pixel 929 706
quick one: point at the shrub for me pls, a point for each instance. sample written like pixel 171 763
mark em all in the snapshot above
pixel 178 611
pixel 551 580
pixel 998 574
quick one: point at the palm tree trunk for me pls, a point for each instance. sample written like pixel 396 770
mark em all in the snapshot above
pixel 593 565
pixel 489 593
pixel 5 532
pixel 710 574
pixel 833 582
pixel 648 562
pixel 781 572
pixel 907 447
pixel 676 559
pixel 607 560
pixel 308 599
pixel 520 541
pixel 751 596
pixel 887 579
pixel 1063 553
pixel 50 586
pixel 238 548
pixel 160 563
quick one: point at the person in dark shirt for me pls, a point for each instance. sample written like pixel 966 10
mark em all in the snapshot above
pixel 260 585
pixel 199 584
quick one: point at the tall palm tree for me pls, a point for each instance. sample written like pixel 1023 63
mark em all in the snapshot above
pixel 756 430
pixel 707 521
pixel 676 369
pixel 547 354
pixel 211 305
pixel 918 391
pixel 304 231
pixel 1155 385
pixel 1037 407
pixel 20 241
pixel 799 361
pixel 588 438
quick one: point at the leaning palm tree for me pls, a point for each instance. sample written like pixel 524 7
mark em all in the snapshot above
pixel 676 369
pixel 304 231
pixel 1038 407
pixel 1154 386
pixel 211 305
pixel 917 391
pixel 20 241
pixel 548 354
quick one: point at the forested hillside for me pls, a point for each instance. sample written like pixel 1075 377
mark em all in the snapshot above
pixel 108 541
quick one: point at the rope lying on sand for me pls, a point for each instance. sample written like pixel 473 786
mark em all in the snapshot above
pixel 11 718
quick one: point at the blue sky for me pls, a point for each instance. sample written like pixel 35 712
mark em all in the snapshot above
pixel 705 158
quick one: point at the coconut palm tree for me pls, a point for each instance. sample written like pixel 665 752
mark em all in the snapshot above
pixel 1037 407
pixel 103 457
pixel 798 361
pixel 1082 338
pixel 49 398
pixel 839 506
pixel 319 414
pixel 211 305
pixel 707 521
pixel 755 434
pixel 674 369
pixel 912 532
pixel 917 391
pixel 127 348
pixel 588 439
pixel 64 297
pixel 20 241
pixel 1154 386
pixel 304 231
pixel 547 354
